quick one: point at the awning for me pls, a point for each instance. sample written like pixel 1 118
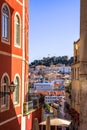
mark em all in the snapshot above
pixel 57 122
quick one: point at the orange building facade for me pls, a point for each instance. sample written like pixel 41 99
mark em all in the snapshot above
pixel 14 63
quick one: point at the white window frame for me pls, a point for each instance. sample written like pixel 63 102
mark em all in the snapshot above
pixel 6 105
pixel 21 3
pixel 15 43
pixel 5 39
pixel 17 103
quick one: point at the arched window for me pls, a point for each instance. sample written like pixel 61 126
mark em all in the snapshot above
pixel 5 22
pixel 17 30
pixel 4 90
pixel 16 92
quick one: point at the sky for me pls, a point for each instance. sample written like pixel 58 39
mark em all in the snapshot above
pixel 54 25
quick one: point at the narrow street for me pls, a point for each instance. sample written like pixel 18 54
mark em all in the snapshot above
pixel 60 114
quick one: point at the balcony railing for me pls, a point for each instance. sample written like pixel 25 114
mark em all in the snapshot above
pixel 34 104
pixel 27 106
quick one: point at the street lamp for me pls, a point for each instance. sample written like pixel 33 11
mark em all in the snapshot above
pixel 11 88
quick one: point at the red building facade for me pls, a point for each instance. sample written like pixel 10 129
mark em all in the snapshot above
pixel 14 63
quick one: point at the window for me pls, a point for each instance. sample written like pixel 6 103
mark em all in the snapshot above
pixel 17 30
pixel 16 92
pixel 5 95
pixel 75 73
pixel 78 73
pixel 72 73
pixel 5 23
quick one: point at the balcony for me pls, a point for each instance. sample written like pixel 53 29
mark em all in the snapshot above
pixel 35 103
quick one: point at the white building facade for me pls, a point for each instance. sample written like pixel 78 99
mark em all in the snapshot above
pixel 43 87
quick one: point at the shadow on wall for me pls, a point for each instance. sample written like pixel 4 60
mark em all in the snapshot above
pixel 9 119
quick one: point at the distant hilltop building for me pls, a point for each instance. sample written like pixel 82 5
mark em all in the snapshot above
pixel 65 69
pixel 60 68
